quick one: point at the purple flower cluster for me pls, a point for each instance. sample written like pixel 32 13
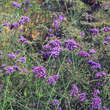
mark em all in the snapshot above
pixel 52 79
pixel 1 86
pixel 94 31
pixel 107 38
pixel 74 90
pixel 100 75
pixel 21 60
pixel 94 65
pixel 24 19
pixel 40 71
pixel 58 20
pixel 84 54
pixel 106 29
pixel 23 40
pixel 71 44
pixel 105 108
pixel 13 56
pixel 0 53
pixel 96 92
pixel 53 48
pixel 15 4
pixel 82 97
pixel 96 102
pixel 92 51
pixel 11 69
pixel 82 34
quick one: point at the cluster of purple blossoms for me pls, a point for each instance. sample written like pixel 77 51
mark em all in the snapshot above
pixel 0 53
pixel 96 102
pixel 5 23
pixel 1 86
pixel 23 40
pixel 13 56
pixel 15 4
pixel 96 92
pixel 11 69
pixel 58 20
pixel 52 79
pixel 92 51
pixel 56 102
pixel 53 48
pixel 100 75
pixel 40 71
pixel 106 42
pixel 82 97
pixel 105 108
pixel 94 65
pixel 24 19
pixel 84 54
pixel 74 90
pixel 22 60
pixel 94 31
pixel 107 38
pixel 107 6
pixel 71 44
pixel 82 34
pixel 17 68
pixel 106 29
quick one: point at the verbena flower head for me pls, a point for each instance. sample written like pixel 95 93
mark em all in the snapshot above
pixel 84 54
pixel 16 68
pixel 92 51
pixel 56 24
pixel 82 97
pixel 106 42
pixel 13 56
pixel 96 92
pixel 94 31
pixel 52 79
pixel 9 69
pixel 105 108
pixel 24 19
pixel 0 53
pixel 94 65
pixel 15 4
pixel 27 2
pixel 1 86
pixel 96 102
pixel 59 108
pixel 61 18
pixel 52 44
pixel 55 52
pixel 1 71
pixel 74 90
pixel 40 71
pixel 5 23
pixel 56 102
pixel 53 48
pixel 22 60
pixel 82 34
pixel 71 44
pixel 106 29
pixel 25 70
pixel 100 75
pixel 107 38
